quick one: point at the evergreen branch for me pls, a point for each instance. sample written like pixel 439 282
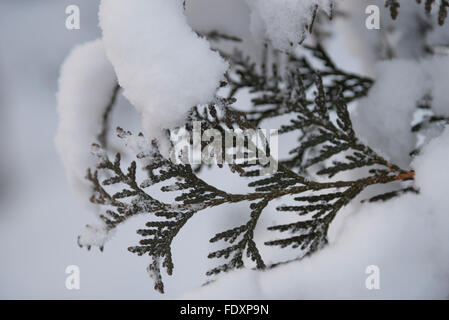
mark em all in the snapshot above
pixel 158 246
pixel 390 195
pixel 159 235
pixel 311 235
pixel 246 232
pixel 327 133
pixel 394 6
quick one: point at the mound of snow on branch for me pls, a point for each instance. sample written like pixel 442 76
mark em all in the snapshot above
pixel 162 65
pixel 86 86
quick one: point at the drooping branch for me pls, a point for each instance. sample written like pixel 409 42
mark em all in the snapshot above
pixel 318 111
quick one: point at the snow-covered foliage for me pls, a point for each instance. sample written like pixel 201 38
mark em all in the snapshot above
pixel 384 118
pixel 156 57
pixel 184 61
pixel 405 237
pixel 94 236
pixel 86 85
pixel 410 36
pixel 285 22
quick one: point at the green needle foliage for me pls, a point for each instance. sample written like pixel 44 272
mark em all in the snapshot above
pixel 313 97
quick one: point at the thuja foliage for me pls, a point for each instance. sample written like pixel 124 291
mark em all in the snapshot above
pixel 312 94
pixel 428 121
pixel 394 6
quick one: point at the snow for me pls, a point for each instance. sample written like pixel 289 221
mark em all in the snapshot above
pixel 432 173
pixel 86 86
pixel 393 236
pixel 405 237
pixel 162 65
pixel 205 16
pixel 432 176
pixel 408 37
pixel 438 70
pixel 283 21
pixel 383 119
pixel 139 144
pixel 94 236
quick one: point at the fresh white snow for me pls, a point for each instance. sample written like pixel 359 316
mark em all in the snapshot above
pixel 384 118
pixel 86 86
pixel 284 22
pixel 149 47
pixel 162 65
